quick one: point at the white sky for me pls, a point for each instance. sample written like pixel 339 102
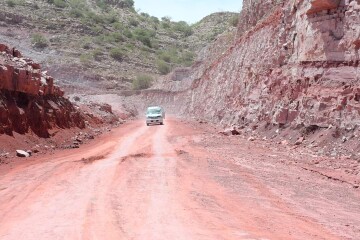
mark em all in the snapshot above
pixel 190 11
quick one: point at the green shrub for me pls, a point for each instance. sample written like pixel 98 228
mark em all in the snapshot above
pixel 163 67
pixel 39 41
pixel 133 22
pixel 96 54
pixel 142 81
pixel 145 15
pixel 11 3
pixel 117 54
pixel 86 43
pixel 145 40
pixel 128 33
pixel 155 20
pixel 165 25
pixel 166 19
pixel 234 21
pixel 128 3
pixel 102 4
pixel 111 18
pixel 79 4
pixel 77 13
pixel 130 46
pixel 187 59
pixel 60 3
pixel 169 55
pixel 118 37
pixel 183 28
pixel 78 8
pixel 165 56
pixel 97 30
pixel 144 36
pixel 118 25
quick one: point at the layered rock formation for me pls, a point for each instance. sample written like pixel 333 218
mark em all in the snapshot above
pixel 29 100
pixel 294 64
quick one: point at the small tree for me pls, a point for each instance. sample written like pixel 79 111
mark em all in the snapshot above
pixel 142 81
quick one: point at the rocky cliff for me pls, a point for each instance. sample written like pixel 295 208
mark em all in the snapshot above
pixel 293 65
pixel 29 100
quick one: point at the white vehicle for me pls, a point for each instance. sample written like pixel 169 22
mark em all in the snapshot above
pixel 155 115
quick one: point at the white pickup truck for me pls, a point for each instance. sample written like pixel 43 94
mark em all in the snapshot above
pixel 155 115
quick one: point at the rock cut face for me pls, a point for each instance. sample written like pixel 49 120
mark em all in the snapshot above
pixel 287 67
pixel 29 100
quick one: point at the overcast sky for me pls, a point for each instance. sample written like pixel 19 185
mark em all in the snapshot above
pixel 190 11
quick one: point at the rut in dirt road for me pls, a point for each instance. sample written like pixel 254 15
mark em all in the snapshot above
pixel 176 181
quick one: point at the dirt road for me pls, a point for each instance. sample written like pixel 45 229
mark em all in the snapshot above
pixel 177 181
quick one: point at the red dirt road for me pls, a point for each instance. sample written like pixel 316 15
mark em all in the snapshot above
pixel 177 181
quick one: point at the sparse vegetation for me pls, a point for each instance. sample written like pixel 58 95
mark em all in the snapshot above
pixel 144 36
pixel 128 3
pixel 183 28
pixel 163 67
pixel 86 59
pixel 117 54
pixel 86 44
pixel 11 3
pixel 234 21
pixel 39 41
pixel 97 53
pixel 60 3
pixel 133 22
pixel 101 33
pixel 142 81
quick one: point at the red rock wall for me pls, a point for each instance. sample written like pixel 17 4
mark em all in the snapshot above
pixel 29 100
pixel 23 75
pixel 294 64
pixel 291 68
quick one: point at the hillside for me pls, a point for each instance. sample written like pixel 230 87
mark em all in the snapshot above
pixel 102 45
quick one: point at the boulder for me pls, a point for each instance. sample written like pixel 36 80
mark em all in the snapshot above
pixel 230 131
pixel 320 5
pixel 299 141
pixel 21 153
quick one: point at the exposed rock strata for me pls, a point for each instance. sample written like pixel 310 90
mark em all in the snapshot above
pixel 29 100
pixel 293 64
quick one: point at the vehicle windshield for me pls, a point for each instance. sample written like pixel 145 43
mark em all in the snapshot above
pixel 154 111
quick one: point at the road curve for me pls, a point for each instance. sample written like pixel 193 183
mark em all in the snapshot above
pixel 162 182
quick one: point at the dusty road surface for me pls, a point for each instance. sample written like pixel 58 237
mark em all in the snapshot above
pixel 177 181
